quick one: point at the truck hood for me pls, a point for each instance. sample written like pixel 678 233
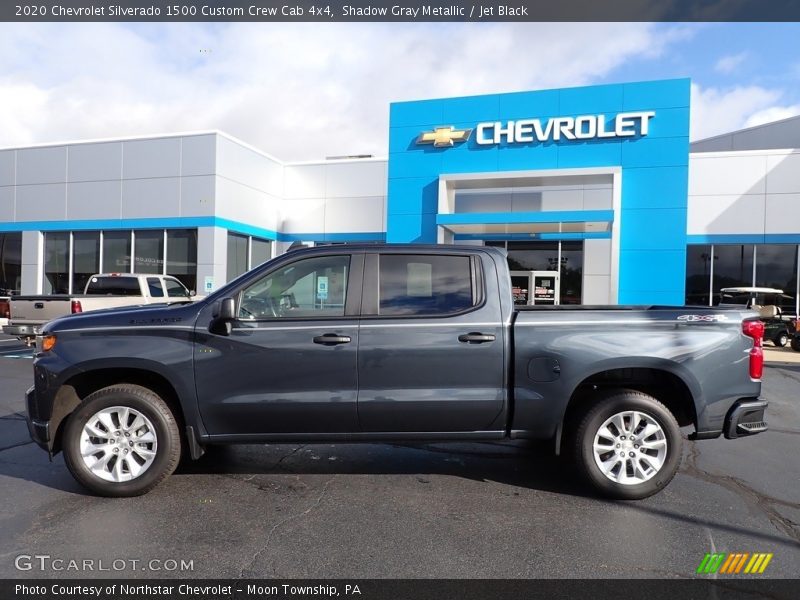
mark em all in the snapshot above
pixel 129 316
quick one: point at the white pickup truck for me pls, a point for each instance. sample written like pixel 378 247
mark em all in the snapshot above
pixel 111 290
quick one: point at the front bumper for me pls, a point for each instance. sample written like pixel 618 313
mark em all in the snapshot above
pixel 746 417
pixel 39 430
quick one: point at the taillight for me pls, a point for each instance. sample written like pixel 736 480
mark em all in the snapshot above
pixel 76 307
pixel 755 330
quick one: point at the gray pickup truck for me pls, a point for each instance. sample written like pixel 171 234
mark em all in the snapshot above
pixel 379 343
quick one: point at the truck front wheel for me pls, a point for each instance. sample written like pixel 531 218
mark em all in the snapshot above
pixel 628 445
pixel 121 441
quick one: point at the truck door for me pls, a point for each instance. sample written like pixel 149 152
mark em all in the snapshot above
pixel 431 353
pixel 289 363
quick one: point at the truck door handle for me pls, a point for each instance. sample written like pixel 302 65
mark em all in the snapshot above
pixel 476 338
pixel 331 339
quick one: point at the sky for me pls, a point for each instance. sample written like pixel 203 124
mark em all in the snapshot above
pixel 310 90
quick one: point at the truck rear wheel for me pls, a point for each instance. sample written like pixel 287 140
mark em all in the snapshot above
pixel 628 445
pixel 121 441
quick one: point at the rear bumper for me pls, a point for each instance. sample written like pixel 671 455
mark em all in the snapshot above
pixel 746 417
pixel 22 330
pixel 39 430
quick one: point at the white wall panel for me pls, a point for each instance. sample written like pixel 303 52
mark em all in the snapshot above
pixel 197 196
pixel 597 257
pixel 597 289
pixel 94 162
pixel 783 212
pixel 355 179
pixel 783 173
pixel 7 203
pixel 244 204
pixel 41 202
pixel 598 199
pixel 42 165
pixel 303 215
pixel 160 157
pixel 150 198
pixel 198 155
pixel 247 166
pixel 727 175
pixel 726 215
pixel 7 176
pixel 344 215
pixel 568 199
pixel 304 181
pixel 94 200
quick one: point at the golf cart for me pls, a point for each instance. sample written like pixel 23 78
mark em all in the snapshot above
pixel 776 309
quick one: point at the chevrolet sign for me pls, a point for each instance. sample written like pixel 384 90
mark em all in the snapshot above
pixel 526 131
pixel 586 127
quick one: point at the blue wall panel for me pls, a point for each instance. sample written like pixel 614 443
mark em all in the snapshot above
pixel 654 169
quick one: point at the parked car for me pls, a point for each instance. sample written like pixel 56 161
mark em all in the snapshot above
pixel 111 290
pixel 375 343
pixel 5 309
pixel 776 309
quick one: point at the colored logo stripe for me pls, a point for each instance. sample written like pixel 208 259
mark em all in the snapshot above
pixel 732 564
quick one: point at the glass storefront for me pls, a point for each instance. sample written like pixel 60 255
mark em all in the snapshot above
pixel 148 251
pixel 85 258
pixel 56 263
pixel 245 253
pixel 565 257
pixel 72 257
pixel 10 263
pixel 182 256
pixel 710 268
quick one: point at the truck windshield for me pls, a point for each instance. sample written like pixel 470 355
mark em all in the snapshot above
pixel 113 286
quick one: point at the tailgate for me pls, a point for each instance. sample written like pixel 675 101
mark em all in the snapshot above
pixel 34 310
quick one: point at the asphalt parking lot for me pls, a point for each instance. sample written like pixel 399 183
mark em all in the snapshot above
pixel 380 510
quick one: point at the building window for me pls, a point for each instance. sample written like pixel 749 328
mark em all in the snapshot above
pixel 245 253
pixel 182 256
pixel 85 258
pixel 148 251
pixel 733 267
pixel 776 267
pixel 10 263
pixel 237 255
pixel 260 252
pixel 116 252
pixel 709 269
pixel 56 263
pixel 698 275
pixel 565 257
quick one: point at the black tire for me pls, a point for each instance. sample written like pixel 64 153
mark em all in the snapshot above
pixel 796 343
pixel 150 405
pixel 612 403
pixel 781 339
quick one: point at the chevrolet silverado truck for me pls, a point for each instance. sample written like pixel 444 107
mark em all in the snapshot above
pixel 384 343
pixel 111 290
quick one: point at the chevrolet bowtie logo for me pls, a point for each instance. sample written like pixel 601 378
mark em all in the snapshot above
pixel 442 137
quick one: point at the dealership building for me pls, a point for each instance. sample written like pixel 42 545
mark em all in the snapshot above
pixel 595 192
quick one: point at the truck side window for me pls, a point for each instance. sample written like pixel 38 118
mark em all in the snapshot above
pixel 313 287
pixel 424 285
pixel 154 285
pixel 175 289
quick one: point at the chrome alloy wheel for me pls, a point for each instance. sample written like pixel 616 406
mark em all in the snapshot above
pixel 118 444
pixel 630 447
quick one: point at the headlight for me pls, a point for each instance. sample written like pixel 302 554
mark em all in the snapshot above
pixel 45 343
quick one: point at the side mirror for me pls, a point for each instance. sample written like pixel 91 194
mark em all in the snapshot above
pixel 192 293
pixel 221 323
